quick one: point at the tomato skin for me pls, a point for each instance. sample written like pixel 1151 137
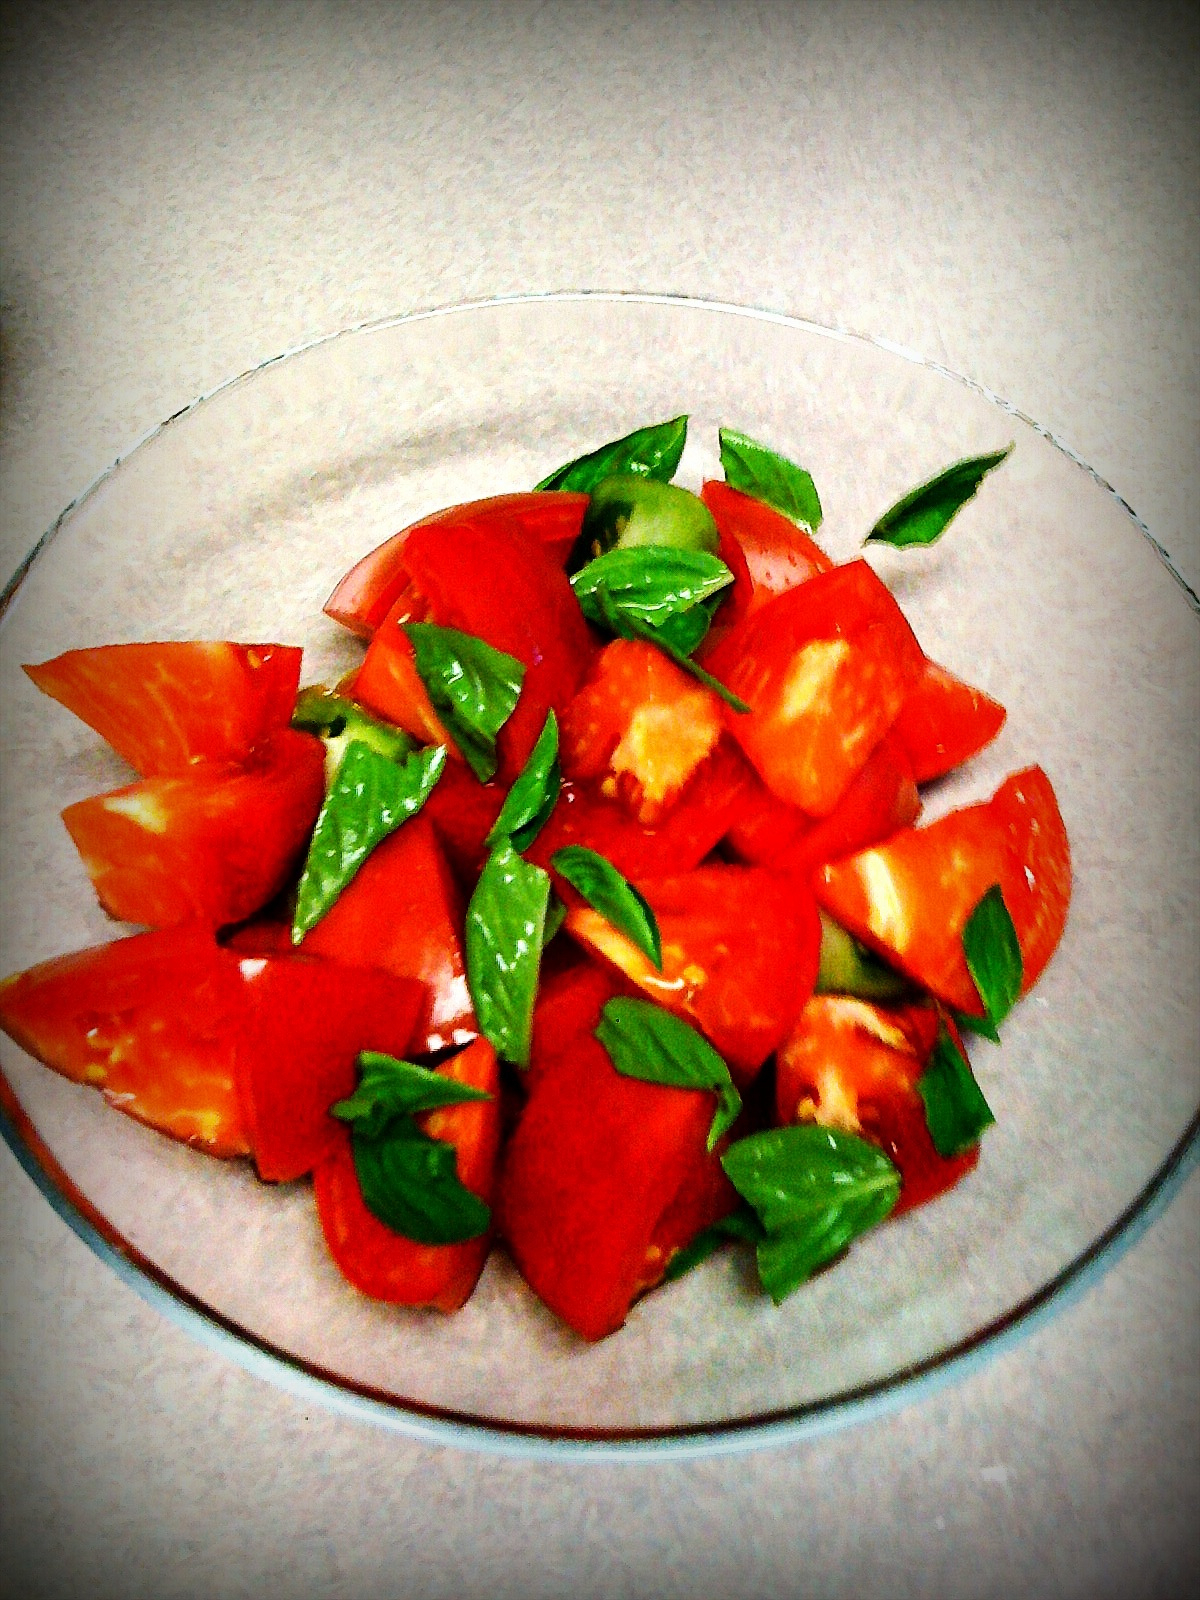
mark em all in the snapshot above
pixel 910 897
pixel 569 1003
pixel 164 707
pixel 777 554
pixel 740 953
pixel 594 1163
pixel 880 799
pixel 854 1065
pixel 492 581
pixel 297 1050
pixel 640 726
pixel 700 817
pixel 825 667
pixel 384 1264
pixel 389 684
pixel 149 1020
pixel 371 588
pixel 402 913
pixel 944 722
pixel 215 843
pixel 705 1196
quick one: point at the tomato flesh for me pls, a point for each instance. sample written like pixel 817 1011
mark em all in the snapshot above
pixel 148 1020
pixel 297 1050
pixel 640 726
pixel 402 913
pixel 371 588
pixel 740 950
pixel 164 707
pixel 825 668
pixel 944 722
pixel 777 554
pixel 384 1264
pixel 215 843
pixel 592 1167
pixel 851 1065
pixel 910 897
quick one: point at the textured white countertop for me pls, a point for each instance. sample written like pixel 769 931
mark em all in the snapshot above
pixel 1010 189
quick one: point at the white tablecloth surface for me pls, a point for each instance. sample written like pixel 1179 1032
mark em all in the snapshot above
pixel 187 188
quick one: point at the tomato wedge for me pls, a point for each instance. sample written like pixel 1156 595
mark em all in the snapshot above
pixel 402 912
pixel 150 1021
pixel 880 799
pixel 855 1066
pixel 594 1164
pixel 910 897
pixel 777 553
pixel 216 843
pixel 494 582
pixel 371 588
pixel 825 667
pixel 384 1264
pixel 740 950
pixel 297 1050
pixel 640 726
pixel 163 707
pixel 944 722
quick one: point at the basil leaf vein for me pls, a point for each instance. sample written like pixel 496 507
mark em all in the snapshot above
pixel 994 960
pixel 956 1112
pixel 504 935
pixel 653 452
pixel 389 1088
pixel 612 895
pixel 369 798
pixel 473 687
pixel 923 515
pixel 534 794
pixel 814 1190
pixel 644 1041
pixel 759 471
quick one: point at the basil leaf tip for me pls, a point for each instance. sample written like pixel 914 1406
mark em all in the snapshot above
pixel 923 515
pixel 759 471
pixel 956 1112
pixel 653 452
pixel 993 955
pixel 534 793
pixel 644 1041
pixel 612 895
pixel 504 936
pixel 369 798
pixel 472 686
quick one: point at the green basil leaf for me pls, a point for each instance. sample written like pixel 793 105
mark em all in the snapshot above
pixel 757 470
pixel 815 1190
pixel 739 1224
pixel 505 933
pixel 956 1112
pixel 612 895
pixel 473 688
pixel 846 966
pixel 556 915
pixel 993 955
pixel 923 515
pixel 644 1041
pixel 411 1183
pixel 389 1088
pixel 654 452
pixel 528 804
pixel 651 582
pixel 687 630
pixel 368 799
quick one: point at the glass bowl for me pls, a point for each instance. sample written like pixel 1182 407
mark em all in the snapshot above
pixel 235 519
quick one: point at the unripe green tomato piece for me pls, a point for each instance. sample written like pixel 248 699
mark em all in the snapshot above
pixel 628 509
